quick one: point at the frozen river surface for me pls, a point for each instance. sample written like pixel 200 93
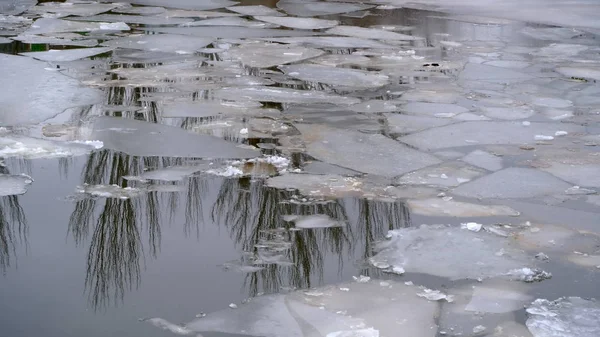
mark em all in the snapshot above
pixel 383 168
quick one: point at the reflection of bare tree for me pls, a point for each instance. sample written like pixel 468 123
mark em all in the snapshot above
pixel 13 226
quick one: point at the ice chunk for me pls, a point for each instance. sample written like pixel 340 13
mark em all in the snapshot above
pixel 332 42
pixel 404 124
pixel 551 102
pixel 367 153
pixel 448 174
pixel 445 208
pixel 110 191
pixel 240 267
pixel 565 317
pixel 489 133
pixel 53 26
pixel 283 95
pixel 16 7
pixel 449 252
pixel 557 239
pixel 311 8
pixel 186 4
pixel 161 42
pixel 255 10
pixel 228 21
pixel 328 185
pixel 434 295
pixel 484 160
pixel 298 23
pixel 35 148
pixel 374 106
pixel 340 77
pixel 529 275
pixel 512 183
pixel 266 55
pixel 56 40
pixel 472 226
pixel 431 96
pixel 48 93
pixel 66 55
pixel 313 221
pixel 153 20
pixel 11 184
pixel 498 297
pixel 140 138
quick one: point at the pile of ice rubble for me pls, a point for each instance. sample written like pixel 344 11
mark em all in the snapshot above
pixel 495 265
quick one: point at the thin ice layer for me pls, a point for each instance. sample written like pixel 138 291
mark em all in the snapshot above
pixel 450 252
pixel 341 77
pixel 53 26
pixel 367 153
pixel 12 184
pixel 36 94
pixel 565 317
pixel 140 138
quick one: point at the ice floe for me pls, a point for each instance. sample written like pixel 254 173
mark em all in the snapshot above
pixel 161 42
pixel 512 183
pixel 140 138
pixel 474 255
pixel 255 10
pixel 110 191
pixel 53 26
pixel 313 221
pixel 34 148
pixel 48 93
pixel 12 184
pixel 451 208
pixel 374 154
pixel 298 23
pixel 313 8
pixel 282 95
pixel 448 174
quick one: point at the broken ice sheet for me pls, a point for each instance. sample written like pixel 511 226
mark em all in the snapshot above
pixel 56 40
pixel 67 54
pixel 508 113
pixel 140 138
pixel 446 208
pixel 139 10
pixel 489 133
pixel 161 42
pixel 229 21
pixel 12 184
pixel 282 95
pixel 449 252
pixel 374 106
pixel 331 42
pixel 552 238
pixel 370 33
pixel 328 185
pixel 110 191
pixel 339 77
pixel 564 317
pixel 48 92
pixel 213 108
pixel 434 295
pixel 367 153
pixel 298 23
pixel 312 8
pixel 512 183
pixel 484 160
pixel 448 174
pixel 313 221
pixel 266 55
pixel 52 26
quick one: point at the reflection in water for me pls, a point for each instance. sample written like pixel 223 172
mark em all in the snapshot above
pixel 13 226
